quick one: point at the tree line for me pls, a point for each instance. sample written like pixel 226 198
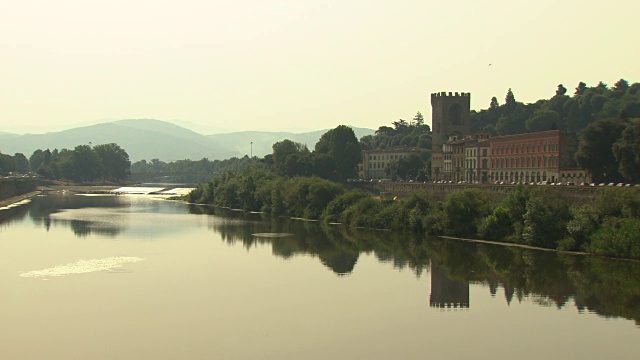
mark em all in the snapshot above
pixel 538 217
pixel 560 112
pixel 82 164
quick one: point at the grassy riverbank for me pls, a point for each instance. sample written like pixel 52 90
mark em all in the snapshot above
pixel 608 224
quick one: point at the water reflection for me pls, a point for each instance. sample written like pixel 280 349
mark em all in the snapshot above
pixel 47 211
pixel 447 292
pixel 610 288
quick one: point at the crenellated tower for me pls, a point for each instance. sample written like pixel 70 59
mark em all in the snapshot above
pixel 449 116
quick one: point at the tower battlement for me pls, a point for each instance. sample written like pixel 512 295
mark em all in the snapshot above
pixel 451 94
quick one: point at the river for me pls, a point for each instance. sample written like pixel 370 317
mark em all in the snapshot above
pixel 137 277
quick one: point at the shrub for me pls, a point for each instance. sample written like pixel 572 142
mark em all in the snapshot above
pixel 618 238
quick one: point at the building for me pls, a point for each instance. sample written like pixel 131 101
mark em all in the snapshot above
pixel 535 157
pixel 450 115
pixel 376 161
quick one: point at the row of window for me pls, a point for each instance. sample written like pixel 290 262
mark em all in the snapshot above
pixel 525 149
pixel 529 161
pixel 386 157
pixel 534 176
pixel 471 152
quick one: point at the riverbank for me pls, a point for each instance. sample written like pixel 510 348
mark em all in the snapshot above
pixel 79 189
pixel 15 199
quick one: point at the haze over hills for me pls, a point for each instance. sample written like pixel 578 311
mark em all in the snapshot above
pixel 155 139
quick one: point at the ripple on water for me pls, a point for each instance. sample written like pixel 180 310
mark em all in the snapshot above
pixel 83 266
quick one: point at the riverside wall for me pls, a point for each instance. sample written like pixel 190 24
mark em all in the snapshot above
pixel 10 187
pixel 498 192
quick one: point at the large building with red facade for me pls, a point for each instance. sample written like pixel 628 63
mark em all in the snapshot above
pixel 535 157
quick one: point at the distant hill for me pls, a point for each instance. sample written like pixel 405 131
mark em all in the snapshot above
pixel 155 139
pixel 4 135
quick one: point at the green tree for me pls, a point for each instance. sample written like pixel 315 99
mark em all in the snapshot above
pixel 627 152
pixel 36 159
pixel 561 90
pixel 510 101
pixel 343 148
pixel 621 85
pixel 494 104
pixel 286 156
pixel 86 163
pixel 418 120
pixel 544 120
pixel 22 163
pixel 7 164
pixel 114 161
pixel 464 211
pixel 595 152
pixel 545 221
pixel 580 89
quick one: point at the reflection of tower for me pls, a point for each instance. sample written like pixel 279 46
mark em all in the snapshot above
pixel 447 293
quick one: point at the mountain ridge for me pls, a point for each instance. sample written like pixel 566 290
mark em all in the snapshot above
pixel 146 139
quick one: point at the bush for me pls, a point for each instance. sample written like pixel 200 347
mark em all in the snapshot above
pixel 334 209
pixel 496 226
pixel 464 210
pixel 618 238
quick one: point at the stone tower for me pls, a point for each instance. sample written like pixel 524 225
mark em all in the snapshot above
pixel 449 116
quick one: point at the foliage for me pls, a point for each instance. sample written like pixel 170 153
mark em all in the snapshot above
pixel 412 134
pixel 342 149
pixel 595 151
pixel 82 164
pixel 617 237
pixel 335 208
pixel 114 161
pixel 542 217
pixel 626 151
pixel 544 222
pixel 7 164
pixel 463 212
pixel 573 114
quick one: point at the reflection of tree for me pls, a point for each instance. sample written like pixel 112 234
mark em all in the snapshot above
pixel 85 228
pixel 341 263
pixel 41 209
pixel 606 287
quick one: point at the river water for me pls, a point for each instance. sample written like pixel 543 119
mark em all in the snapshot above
pixel 136 277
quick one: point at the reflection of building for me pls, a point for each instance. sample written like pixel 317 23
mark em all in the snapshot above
pixel 447 293
pixel 377 160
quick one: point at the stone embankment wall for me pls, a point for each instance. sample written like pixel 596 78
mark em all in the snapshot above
pixel 440 191
pixel 15 186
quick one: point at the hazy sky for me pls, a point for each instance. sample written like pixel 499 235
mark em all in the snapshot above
pixel 304 64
